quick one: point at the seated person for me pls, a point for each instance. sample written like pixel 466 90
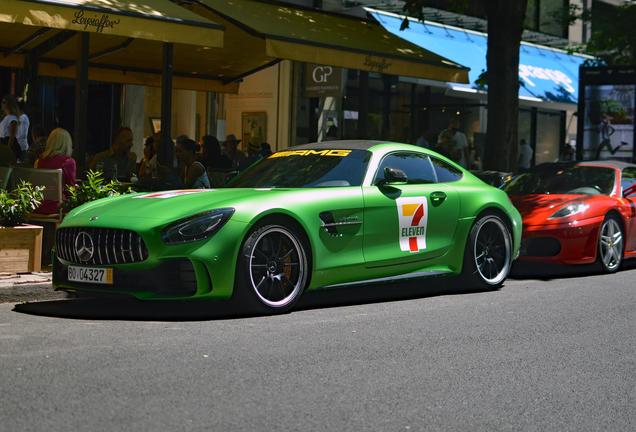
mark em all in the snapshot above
pixel 38 137
pixel 266 150
pixel 211 156
pixel 118 162
pixel 193 173
pixel 230 145
pixel 148 166
pixel 57 155
pixel 253 155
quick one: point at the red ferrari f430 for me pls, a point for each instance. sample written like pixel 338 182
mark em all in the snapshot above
pixel 577 213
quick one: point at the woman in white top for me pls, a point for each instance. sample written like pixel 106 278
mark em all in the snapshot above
pixel 9 125
pixel 23 128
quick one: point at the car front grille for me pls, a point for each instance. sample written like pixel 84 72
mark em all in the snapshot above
pixel 109 246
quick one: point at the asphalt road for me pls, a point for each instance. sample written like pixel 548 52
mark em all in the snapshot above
pixel 538 355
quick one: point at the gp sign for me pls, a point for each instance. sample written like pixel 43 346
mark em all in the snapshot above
pixel 321 74
pixel 321 80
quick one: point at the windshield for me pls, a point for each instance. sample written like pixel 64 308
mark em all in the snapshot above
pixel 586 180
pixel 305 169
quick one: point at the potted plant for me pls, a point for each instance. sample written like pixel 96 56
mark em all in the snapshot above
pixel 20 243
pixel 91 189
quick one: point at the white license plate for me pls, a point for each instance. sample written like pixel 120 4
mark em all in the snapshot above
pixel 95 275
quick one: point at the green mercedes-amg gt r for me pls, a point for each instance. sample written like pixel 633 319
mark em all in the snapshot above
pixel 314 216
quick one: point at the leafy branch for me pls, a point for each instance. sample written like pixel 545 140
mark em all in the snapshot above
pixel 91 189
pixel 16 204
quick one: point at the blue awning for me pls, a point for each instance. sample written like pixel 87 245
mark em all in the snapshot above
pixel 546 74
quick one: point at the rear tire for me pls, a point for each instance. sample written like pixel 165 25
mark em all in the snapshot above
pixel 488 253
pixel 610 244
pixel 273 269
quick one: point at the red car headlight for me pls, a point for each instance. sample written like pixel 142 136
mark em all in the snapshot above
pixel 570 210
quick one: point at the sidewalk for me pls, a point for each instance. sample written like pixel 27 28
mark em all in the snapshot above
pixel 15 288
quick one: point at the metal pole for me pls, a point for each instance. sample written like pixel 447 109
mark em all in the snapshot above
pixel 534 121
pixel 81 101
pixel 363 110
pixel 414 133
pixel 166 149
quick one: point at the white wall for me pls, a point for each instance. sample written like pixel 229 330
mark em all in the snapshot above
pixel 266 91
pixel 133 115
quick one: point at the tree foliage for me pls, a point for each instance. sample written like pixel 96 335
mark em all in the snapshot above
pixel 505 25
pixel 613 38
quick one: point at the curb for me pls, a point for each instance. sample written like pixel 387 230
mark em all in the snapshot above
pixel 16 288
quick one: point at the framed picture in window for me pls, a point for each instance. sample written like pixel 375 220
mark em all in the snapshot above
pixel 155 124
pixel 254 128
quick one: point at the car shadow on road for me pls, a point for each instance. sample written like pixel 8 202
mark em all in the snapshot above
pixel 128 309
pixel 548 272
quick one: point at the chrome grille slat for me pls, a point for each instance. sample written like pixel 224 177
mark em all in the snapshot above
pixel 60 244
pixel 64 244
pixel 99 249
pixel 106 246
pixel 114 248
pixel 111 246
pixel 121 246
pixel 141 254
pixel 74 256
pixel 130 246
pixel 65 248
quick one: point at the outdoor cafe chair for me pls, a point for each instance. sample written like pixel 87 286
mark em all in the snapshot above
pixel 51 179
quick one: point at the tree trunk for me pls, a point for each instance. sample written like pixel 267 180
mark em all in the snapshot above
pixel 505 25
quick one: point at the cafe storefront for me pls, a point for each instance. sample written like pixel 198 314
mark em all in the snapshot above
pixel 67 44
pixel 272 42
pixel 231 66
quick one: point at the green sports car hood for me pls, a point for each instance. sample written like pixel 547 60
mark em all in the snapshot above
pixel 167 206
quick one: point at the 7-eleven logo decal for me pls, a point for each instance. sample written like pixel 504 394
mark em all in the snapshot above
pixel 412 218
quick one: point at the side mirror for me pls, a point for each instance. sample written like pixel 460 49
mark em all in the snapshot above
pixel 629 191
pixel 393 176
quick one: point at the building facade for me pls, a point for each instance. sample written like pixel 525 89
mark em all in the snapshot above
pixel 291 102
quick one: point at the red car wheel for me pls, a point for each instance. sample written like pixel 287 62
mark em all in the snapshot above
pixel 610 244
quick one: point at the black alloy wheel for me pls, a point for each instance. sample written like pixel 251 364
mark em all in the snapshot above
pixel 488 254
pixel 273 269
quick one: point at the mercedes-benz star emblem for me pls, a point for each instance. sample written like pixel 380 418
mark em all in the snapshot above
pixel 84 247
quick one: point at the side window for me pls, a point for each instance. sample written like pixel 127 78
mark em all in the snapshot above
pixel 628 179
pixel 418 168
pixel 445 172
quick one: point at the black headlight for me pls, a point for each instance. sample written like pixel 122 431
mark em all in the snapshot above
pixel 197 227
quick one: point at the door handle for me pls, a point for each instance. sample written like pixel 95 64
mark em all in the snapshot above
pixel 438 197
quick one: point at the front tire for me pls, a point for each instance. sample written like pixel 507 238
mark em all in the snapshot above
pixel 610 245
pixel 488 253
pixel 273 269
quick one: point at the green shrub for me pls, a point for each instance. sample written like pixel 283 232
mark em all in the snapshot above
pixel 91 189
pixel 16 204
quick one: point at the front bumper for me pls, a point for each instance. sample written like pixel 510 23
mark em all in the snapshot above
pixel 170 279
pixel 566 243
pixel 199 270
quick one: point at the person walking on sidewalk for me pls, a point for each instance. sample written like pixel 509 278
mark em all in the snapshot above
pixel 607 130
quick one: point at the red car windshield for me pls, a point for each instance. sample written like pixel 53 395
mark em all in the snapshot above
pixel 587 180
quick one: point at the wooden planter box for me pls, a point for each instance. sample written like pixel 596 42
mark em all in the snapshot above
pixel 20 249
